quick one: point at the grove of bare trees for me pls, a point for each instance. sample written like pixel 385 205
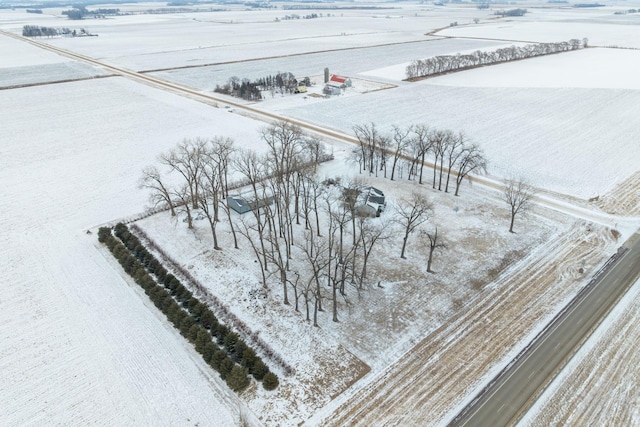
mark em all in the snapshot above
pixel 310 236
pixel 407 150
pixel 446 63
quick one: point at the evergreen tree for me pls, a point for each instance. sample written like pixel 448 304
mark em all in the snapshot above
pixel 259 369
pixel 208 351
pixel 186 324
pixel 230 341
pixel 221 333
pixel 202 339
pixel 238 350
pixel 237 379
pixel 225 367
pixel 207 318
pixel 270 381
pixel 217 358
pixel 249 359
pixel 192 335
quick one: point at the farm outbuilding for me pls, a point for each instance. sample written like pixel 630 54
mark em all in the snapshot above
pixel 343 82
pixel 332 89
pixel 245 202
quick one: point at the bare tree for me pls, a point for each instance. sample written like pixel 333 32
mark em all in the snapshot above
pixel 369 138
pixel 186 159
pixel 412 213
pixel 222 151
pixel 401 142
pixel 285 158
pixel 160 193
pixel 370 233
pixel 208 202
pixel 227 210
pixel 277 255
pixel 252 166
pixel 454 151
pixel 472 159
pixel 440 141
pixel 249 231
pixel 183 195
pixel 420 144
pixel 316 151
pixel 433 245
pixel 518 194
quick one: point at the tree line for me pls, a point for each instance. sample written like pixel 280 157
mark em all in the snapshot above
pixel 282 83
pixel 405 152
pixel 446 63
pixel 36 31
pixel 228 354
pixel 80 12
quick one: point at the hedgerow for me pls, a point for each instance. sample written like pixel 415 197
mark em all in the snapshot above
pixel 187 313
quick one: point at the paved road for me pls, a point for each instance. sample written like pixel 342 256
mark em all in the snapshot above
pixel 513 391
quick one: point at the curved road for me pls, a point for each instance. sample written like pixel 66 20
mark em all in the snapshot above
pixel 511 393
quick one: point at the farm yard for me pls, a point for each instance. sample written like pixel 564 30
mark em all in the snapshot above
pixel 82 343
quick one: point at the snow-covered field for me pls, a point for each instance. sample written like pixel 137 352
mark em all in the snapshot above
pixel 602 28
pixel 552 136
pixel 82 345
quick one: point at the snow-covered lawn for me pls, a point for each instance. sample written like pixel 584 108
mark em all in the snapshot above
pixel 399 305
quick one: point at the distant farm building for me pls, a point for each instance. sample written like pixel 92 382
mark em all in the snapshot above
pixel 245 202
pixel 343 82
pixel 332 89
pixel 336 85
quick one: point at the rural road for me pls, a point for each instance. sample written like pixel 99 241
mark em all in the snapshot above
pixel 512 392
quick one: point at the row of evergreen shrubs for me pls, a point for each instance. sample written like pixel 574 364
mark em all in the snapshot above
pixel 228 354
pixel 212 301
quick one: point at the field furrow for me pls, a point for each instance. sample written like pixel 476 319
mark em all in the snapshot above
pixel 445 368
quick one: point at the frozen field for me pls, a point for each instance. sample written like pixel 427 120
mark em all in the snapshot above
pixel 174 40
pixel 603 29
pixel 350 62
pixel 47 73
pixel 553 136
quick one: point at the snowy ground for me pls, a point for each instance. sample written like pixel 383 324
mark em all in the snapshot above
pixel 382 322
pixel 81 345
